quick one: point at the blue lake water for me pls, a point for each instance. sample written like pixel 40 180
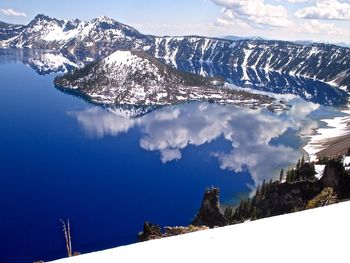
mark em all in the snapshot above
pixel 61 157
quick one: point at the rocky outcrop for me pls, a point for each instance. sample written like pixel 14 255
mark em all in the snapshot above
pixel 285 198
pixel 335 176
pixel 151 231
pixel 327 197
pixel 209 216
pixel 180 230
pixel 332 174
pixel 209 213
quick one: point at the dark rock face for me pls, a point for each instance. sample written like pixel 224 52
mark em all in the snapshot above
pixel 288 197
pixel 332 174
pixel 336 177
pixel 209 214
pixel 284 198
pixel 150 232
pixel 275 198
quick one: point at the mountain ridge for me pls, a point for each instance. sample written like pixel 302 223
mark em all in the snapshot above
pixel 84 42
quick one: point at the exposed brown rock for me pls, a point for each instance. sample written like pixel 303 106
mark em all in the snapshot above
pixel 180 230
pixel 150 232
pixel 326 197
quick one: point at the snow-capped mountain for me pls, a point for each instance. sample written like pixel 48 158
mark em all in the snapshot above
pixel 136 78
pixel 83 42
pixel 79 41
pixel 328 63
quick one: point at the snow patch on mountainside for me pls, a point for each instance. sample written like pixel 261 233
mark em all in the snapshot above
pixel 125 58
pixel 57 33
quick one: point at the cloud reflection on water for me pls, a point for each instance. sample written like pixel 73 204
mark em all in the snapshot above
pixel 169 130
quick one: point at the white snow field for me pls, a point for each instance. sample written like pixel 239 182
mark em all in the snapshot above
pixel 318 235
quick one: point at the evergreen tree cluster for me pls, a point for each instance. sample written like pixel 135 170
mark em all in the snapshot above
pixel 251 208
pixel 303 171
pixel 269 197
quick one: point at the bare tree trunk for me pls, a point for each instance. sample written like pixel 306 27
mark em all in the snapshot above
pixel 67 236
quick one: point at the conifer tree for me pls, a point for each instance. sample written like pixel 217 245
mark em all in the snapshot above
pixel 281 175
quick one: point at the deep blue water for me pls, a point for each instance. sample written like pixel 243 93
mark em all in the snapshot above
pixel 61 157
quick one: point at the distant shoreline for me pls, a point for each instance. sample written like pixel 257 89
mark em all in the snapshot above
pixel 336 147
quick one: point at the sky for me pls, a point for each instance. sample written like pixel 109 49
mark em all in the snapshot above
pixel 317 20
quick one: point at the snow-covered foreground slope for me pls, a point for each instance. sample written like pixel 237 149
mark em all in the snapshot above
pixel 318 235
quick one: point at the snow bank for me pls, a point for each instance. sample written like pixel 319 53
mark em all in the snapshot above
pixel 319 169
pixel 317 235
pixel 123 57
pixel 346 161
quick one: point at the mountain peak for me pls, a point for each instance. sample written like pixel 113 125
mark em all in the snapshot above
pixel 42 17
pixel 105 19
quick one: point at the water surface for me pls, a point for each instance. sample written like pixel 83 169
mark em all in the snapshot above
pixel 61 157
